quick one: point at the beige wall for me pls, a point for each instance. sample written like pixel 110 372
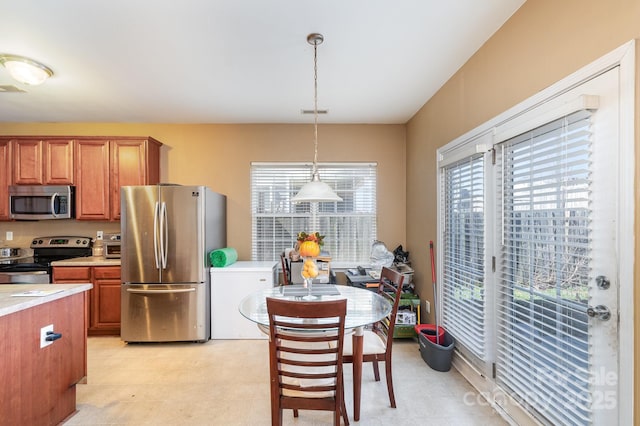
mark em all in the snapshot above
pixel 219 156
pixel 543 42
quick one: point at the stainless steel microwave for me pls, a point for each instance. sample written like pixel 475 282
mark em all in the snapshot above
pixel 36 202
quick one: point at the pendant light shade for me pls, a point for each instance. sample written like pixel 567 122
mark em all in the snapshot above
pixel 315 191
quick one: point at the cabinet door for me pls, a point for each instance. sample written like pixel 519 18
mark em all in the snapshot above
pixel 128 167
pixel 28 162
pixel 75 275
pixel 5 178
pixel 92 179
pixel 105 309
pixel 58 162
pixel 133 162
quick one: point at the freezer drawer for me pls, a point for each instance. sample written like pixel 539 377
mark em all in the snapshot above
pixel 165 313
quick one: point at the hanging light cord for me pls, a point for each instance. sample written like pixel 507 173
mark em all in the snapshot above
pixel 315 40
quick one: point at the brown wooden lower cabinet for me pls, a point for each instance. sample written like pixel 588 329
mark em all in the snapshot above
pixel 104 298
pixel 38 384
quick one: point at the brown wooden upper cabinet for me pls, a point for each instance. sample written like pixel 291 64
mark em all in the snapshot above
pixel 92 171
pixel 104 165
pixel 5 178
pixel 43 162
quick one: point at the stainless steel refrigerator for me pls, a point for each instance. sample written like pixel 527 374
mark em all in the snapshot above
pixel 167 232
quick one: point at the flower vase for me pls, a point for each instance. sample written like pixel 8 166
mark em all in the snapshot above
pixel 309 272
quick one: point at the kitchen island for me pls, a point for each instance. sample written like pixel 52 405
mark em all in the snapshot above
pixel 39 375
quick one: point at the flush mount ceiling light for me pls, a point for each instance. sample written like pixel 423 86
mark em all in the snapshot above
pixel 315 191
pixel 25 70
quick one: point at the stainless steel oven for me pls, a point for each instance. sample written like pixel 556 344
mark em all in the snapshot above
pixel 36 202
pixel 36 269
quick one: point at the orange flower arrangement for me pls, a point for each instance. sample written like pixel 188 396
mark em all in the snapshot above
pixel 309 244
pixel 314 236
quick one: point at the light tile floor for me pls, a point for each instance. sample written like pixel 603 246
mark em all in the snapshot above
pixel 226 382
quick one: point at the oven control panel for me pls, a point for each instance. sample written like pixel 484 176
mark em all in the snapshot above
pixel 63 242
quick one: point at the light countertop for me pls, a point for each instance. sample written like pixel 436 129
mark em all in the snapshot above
pixel 87 261
pixel 10 304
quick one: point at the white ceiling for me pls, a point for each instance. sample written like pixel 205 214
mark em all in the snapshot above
pixel 238 61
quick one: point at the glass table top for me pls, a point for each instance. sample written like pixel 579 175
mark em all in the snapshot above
pixel 363 306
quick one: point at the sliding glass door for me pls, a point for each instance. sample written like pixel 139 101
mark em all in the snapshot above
pixel 529 230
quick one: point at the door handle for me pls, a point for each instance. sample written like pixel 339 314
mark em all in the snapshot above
pixel 155 234
pixel 53 204
pixel 600 312
pixel 164 238
pixel 183 290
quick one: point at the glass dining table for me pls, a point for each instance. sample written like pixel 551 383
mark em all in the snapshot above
pixel 363 307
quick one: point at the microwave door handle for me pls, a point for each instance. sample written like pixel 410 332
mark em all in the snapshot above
pixel 53 204
pixel 164 231
pixel 155 234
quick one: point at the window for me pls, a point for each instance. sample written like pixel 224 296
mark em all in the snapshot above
pixel 349 226
pixel 463 262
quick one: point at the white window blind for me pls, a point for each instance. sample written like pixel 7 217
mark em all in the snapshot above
pixel 542 288
pixel 349 226
pixel 463 289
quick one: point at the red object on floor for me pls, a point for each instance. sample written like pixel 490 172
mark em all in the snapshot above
pixel 429 330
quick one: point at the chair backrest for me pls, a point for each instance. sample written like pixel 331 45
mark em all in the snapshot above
pixel 305 350
pixel 389 287
pixel 285 270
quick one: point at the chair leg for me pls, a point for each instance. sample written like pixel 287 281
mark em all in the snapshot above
pixel 392 398
pixel 376 370
pixel 276 416
pixel 345 416
pixel 343 408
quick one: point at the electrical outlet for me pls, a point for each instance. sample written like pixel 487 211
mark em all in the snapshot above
pixel 43 335
pixel 99 235
pixel 427 307
pixel 9 236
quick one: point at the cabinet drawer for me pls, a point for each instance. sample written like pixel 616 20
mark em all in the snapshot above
pixel 106 272
pixel 72 273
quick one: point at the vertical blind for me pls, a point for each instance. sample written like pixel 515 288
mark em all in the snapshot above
pixel 542 288
pixel 463 290
pixel 349 226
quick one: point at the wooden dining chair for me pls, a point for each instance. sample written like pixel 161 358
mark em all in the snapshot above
pixel 378 338
pixel 286 273
pixel 305 360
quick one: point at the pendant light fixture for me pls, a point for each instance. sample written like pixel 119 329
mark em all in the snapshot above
pixel 315 191
pixel 25 70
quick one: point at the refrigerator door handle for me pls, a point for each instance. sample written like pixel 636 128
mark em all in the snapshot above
pixel 182 290
pixel 164 231
pixel 155 234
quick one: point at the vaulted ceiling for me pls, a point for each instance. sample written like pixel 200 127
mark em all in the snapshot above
pixel 238 61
